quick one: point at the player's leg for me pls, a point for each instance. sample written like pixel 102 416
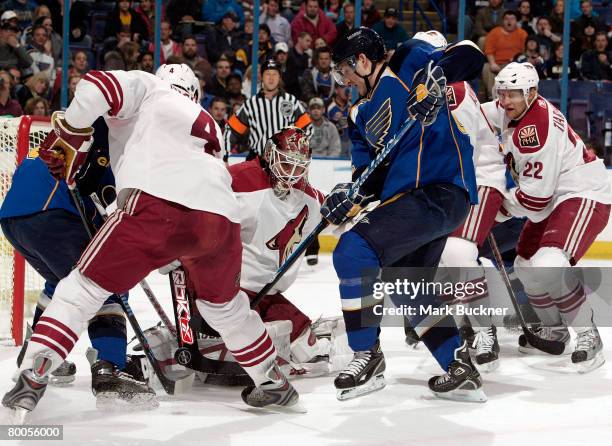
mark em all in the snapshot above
pixel 461 256
pixel 213 272
pixel 117 258
pixel 538 280
pixel 571 230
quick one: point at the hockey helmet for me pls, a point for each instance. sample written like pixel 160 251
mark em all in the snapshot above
pixel 287 155
pixel 517 76
pixel 181 78
pixel 270 64
pixel 433 37
pixel 359 41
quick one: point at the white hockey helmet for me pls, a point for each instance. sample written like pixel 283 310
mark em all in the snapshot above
pixel 181 78
pixel 517 76
pixel 433 37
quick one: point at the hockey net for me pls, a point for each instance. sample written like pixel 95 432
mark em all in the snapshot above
pixel 20 284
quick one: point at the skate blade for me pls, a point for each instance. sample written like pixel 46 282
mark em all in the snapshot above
pixel 591 364
pixel 377 383
pixel 488 367
pixel 468 396
pixel 110 402
pixel 61 381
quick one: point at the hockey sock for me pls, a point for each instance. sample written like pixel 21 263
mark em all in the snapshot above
pixel 107 332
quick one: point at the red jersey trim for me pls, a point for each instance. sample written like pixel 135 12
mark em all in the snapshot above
pixel 532 203
pixel 109 87
pixel 249 176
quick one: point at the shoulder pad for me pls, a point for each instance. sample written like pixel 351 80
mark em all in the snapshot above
pixel 532 131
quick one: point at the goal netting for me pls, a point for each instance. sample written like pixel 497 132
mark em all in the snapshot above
pixel 20 284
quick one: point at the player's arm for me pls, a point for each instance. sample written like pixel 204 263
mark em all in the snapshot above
pixel 462 61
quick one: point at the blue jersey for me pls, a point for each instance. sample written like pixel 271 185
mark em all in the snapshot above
pixel 439 153
pixel 34 190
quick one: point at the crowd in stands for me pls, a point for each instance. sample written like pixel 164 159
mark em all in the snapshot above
pixel 215 38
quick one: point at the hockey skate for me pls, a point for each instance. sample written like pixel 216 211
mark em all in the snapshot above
pixel 487 348
pixel 24 397
pixel 557 333
pixel 588 354
pixel 277 393
pixel 363 375
pixel 63 375
pixel 116 389
pixel 412 338
pixel 462 381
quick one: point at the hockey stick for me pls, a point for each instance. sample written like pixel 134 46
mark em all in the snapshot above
pixel 545 345
pixel 143 283
pixel 168 384
pixel 297 252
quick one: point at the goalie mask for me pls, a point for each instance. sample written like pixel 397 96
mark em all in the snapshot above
pixel 182 79
pixel 287 156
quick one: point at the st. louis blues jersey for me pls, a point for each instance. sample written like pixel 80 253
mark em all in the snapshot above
pixel 439 153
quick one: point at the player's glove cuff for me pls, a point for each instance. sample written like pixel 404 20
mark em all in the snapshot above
pixel 428 94
pixel 338 207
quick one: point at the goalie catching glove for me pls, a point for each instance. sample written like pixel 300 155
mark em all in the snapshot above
pixel 338 207
pixel 428 94
pixel 65 149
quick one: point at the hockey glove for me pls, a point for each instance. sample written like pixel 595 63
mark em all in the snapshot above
pixel 64 150
pixel 427 94
pixel 338 207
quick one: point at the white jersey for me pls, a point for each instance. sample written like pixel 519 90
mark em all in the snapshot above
pixel 271 227
pixel 488 161
pixel 551 162
pixel 159 141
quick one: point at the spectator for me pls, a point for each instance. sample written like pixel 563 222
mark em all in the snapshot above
pixel 146 62
pixel 113 61
pixel 502 44
pixel 291 78
pixel 182 10
pixel 325 140
pixel 234 89
pixel 286 11
pixel 313 20
pixel 546 38
pixel 486 19
pixel 146 11
pixel 26 34
pixel 299 59
pixel 23 9
pixel 168 46
pixel 596 64
pixel 226 37
pixel 541 7
pixel 79 22
pixel 333 8
pixel 556 18
pixel 554 65
pixel 8 105
pixel 189 51
pixel 130 51
pixel 54 38
pixel 40 52
pixel 346 25
pixel 526 22
pixel 36 86
pixel 337 112
pixel 80 64
pixel 124 18
pixel 279 26
pixel 532 55
pixel 11 18
pixel 12 54
pixel 37 107
pixel 73 80
pixel 586 19
pixel 369 14
pixel 390 30
pixel 215 10
pixel 218 83
pixel 218 111
pixel 319 81
pixel 266 49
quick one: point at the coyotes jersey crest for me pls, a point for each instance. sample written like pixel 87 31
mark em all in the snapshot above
pixel 289 236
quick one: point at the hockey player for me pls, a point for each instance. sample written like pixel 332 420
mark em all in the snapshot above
pixel 37 204
pixel 563 191
pixel 165 155
pixel 425 189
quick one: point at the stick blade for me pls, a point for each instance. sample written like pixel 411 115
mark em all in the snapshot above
pixel 546 345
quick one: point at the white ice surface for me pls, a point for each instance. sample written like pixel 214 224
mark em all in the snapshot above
pixel 529 402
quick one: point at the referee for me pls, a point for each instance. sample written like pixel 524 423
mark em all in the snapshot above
pixel 264 114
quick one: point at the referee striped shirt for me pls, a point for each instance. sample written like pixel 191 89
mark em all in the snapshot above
pixel 259 118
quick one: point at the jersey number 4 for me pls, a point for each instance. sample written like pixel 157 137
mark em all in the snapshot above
pixel 533 170
pixel 204 128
